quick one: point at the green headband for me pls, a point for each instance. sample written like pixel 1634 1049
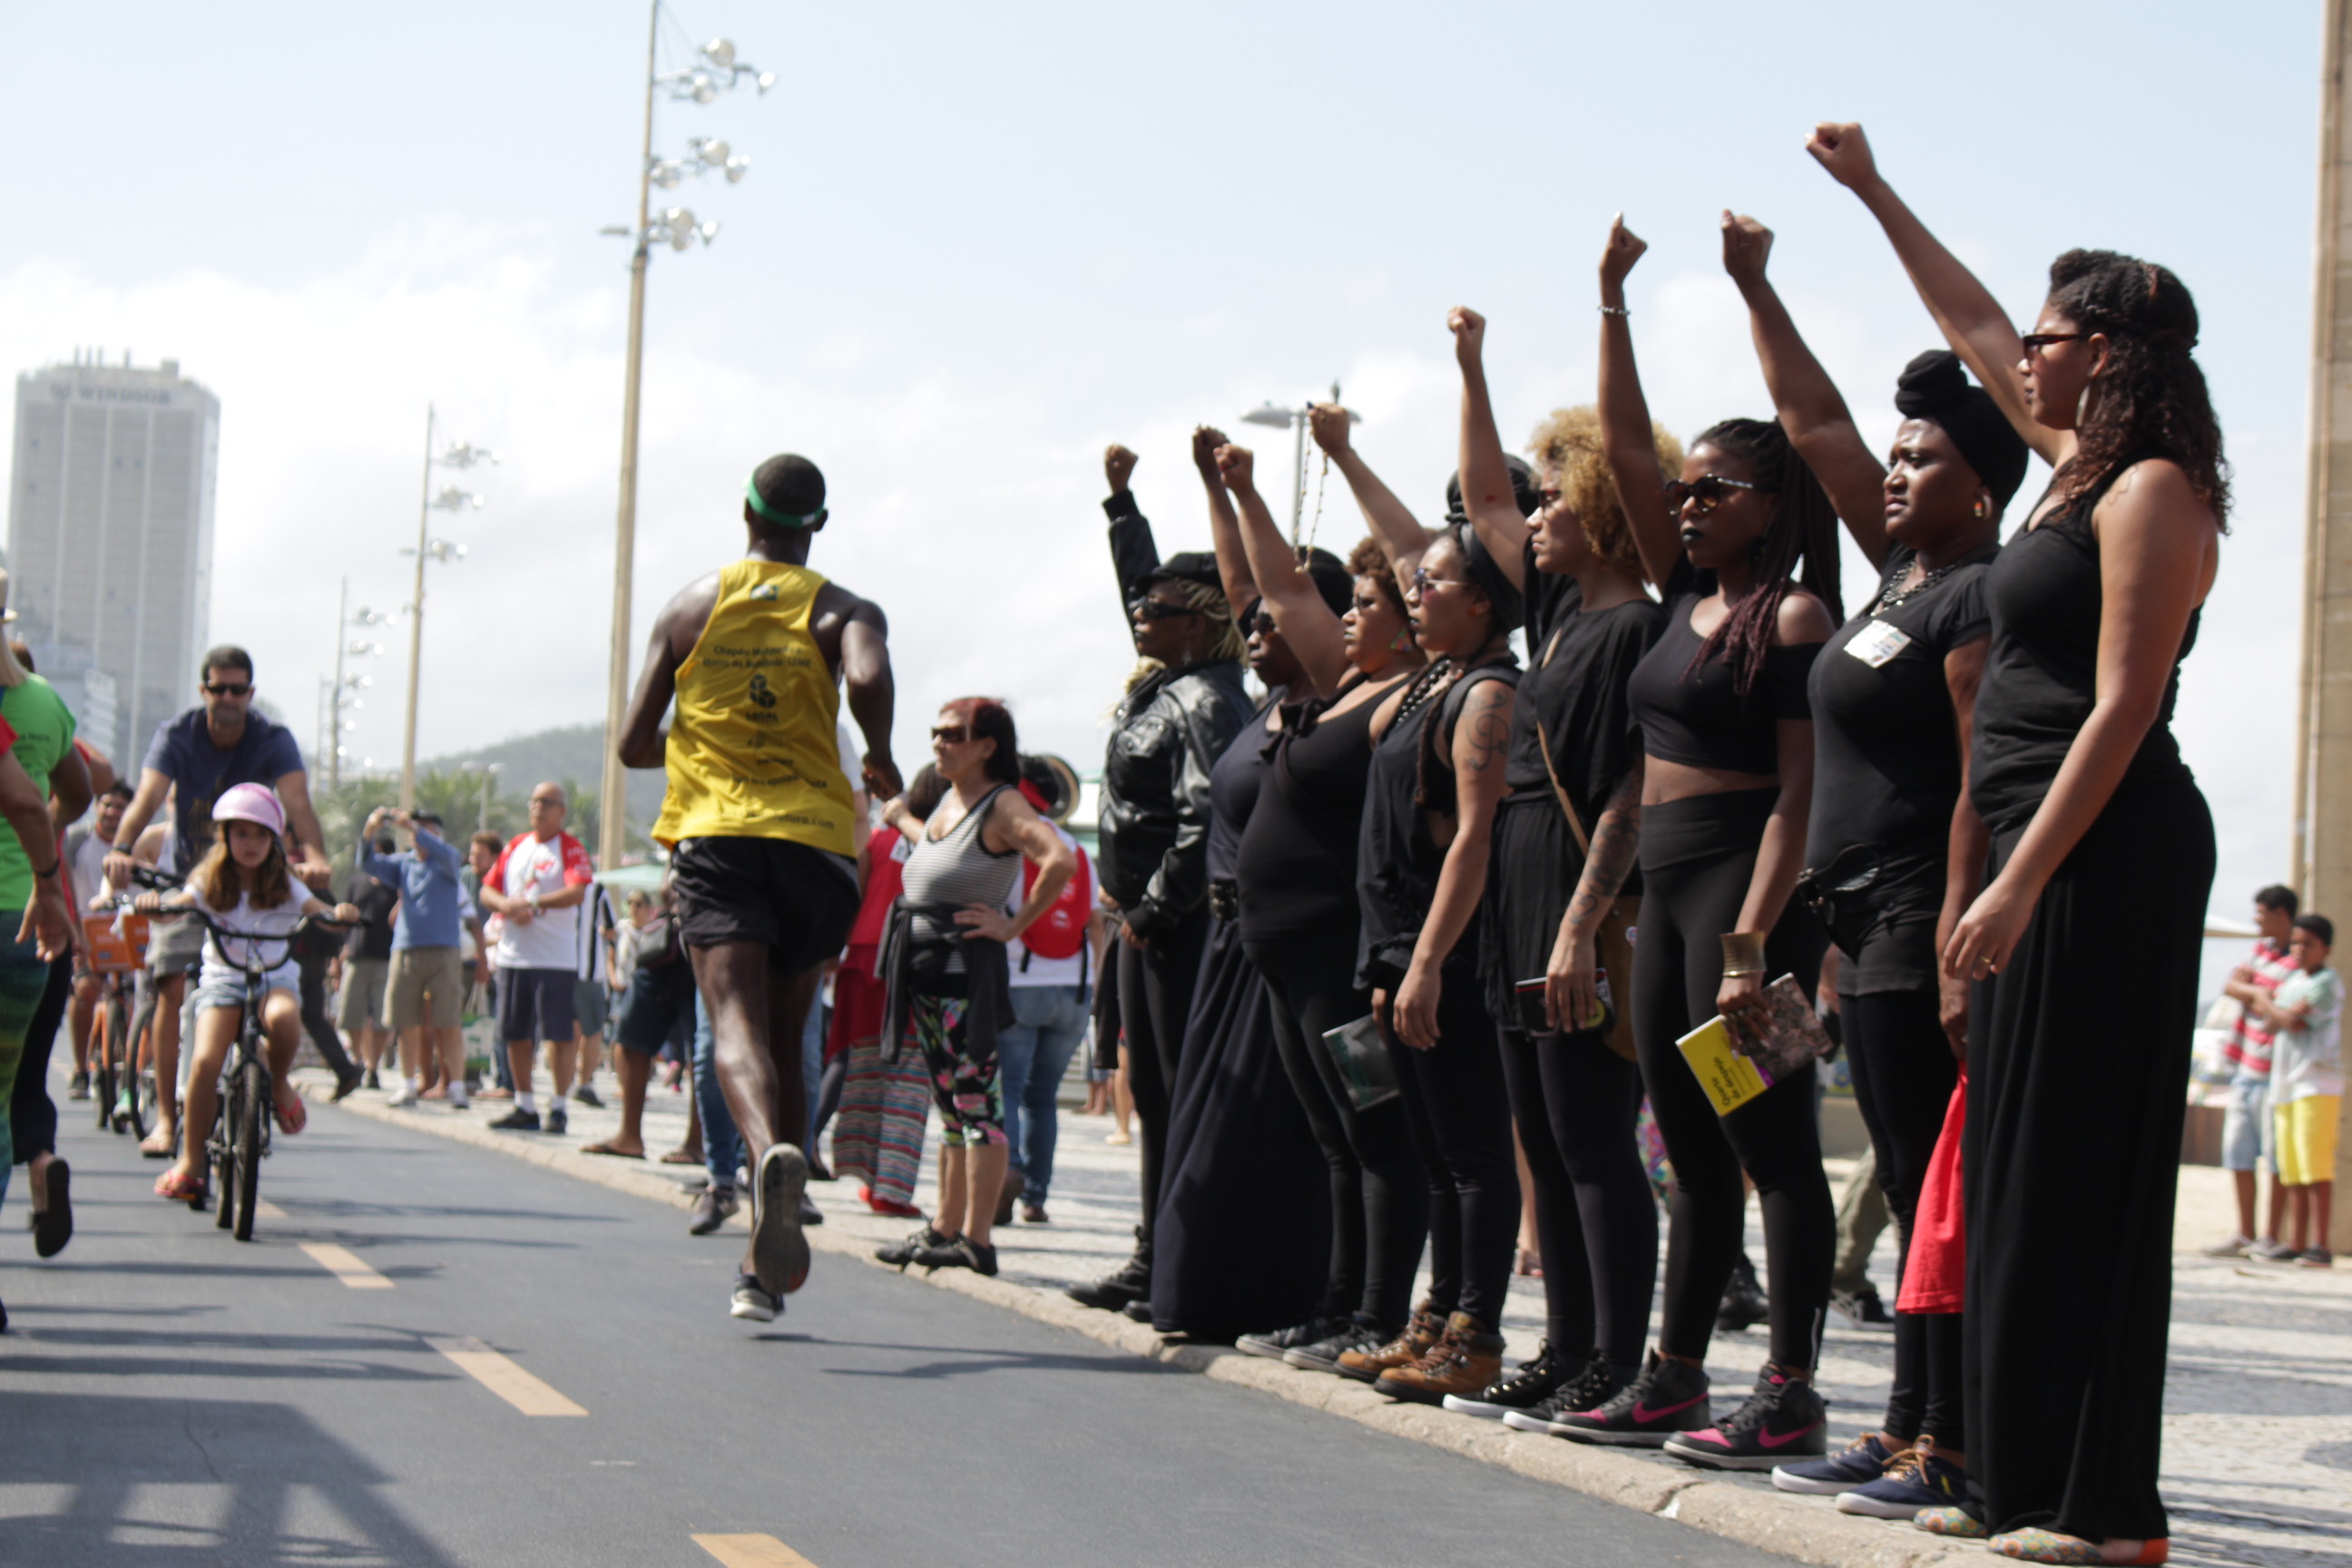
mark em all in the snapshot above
pixel 781 518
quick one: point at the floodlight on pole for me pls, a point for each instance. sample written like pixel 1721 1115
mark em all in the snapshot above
pixel 451 498
pixel 336 694
pixel 1295 421
pixel 715 68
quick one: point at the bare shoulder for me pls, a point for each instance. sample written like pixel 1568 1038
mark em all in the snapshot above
pixel 836 606
pixel 682 619
pixel 1801 618
pixel 2155 492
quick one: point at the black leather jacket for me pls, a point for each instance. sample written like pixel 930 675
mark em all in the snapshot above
pixel 1153 826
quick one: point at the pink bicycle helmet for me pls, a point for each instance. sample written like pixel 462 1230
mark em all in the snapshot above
pixel 251 802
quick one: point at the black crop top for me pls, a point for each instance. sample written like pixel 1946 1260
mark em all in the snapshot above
pixel 1696 717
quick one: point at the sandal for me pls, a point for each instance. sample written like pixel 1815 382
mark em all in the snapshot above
pixel 150 1149
pixel 180 1188
pixel 291 1122
pixel 682 1157
pixel 606 1146
pixel 2037 1545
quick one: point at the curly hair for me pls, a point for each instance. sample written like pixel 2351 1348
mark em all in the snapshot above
pixel 2152 401
pixel 1567 443
pixel 1804 526
pixel 1369 559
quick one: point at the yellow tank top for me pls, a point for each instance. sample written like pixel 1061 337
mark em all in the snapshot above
pixel 752 746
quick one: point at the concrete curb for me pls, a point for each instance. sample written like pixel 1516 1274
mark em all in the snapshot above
pixel 1806 1529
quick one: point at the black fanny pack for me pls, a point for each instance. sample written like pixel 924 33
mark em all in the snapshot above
pixel 1835 891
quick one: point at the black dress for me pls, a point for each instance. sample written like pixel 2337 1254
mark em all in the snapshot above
pixel 1243 1225
pixel 2078 1073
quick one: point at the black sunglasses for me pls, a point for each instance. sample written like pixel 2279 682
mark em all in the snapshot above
pixel 230 688
pixel 1705 492
pixel 2036 341
pixel 1158 610
pixel 950 734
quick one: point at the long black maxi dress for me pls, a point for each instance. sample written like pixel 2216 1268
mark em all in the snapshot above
pixel 2078 1074
pixel 1245 1221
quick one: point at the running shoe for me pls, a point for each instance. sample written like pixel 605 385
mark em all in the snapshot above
pixel 2318 1257
pixel 1860 1462
pixel 1596 1385
pixel 898 1254
pixel 2272 1251
pixel 518 1121
pixel 2235 1246
pixel 586 1095
pixel 80 1088
pixel 1782 1420
pixel 1745 1305
pixel 1530 1386
pixel 960 1252
pixel 712 1208
pixel 751 1301
pixel 1360 1334
pixel 1668 1398
pixel 780 1252
pixel 1282 1341
pixel 559 1121
pixel 406 1094
pixel 1918 1477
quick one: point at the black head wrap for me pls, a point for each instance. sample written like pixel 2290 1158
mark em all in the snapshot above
pixel 1510 606
pixel 1934 388
pixel 1186 566
pixel 1330 578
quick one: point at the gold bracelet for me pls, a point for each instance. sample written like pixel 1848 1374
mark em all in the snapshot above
pixel 1743 953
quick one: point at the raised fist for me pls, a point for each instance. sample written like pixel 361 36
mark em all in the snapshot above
pixel 1624 248
pixel 1118 464
pixel 1745 245
pixel 1469 330
pixel 1844 152
pixel 1328 423
pixel 1233 466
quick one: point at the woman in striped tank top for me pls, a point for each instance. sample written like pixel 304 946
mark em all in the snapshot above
pixel 946 958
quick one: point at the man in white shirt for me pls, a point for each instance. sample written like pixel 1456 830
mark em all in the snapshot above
pixel 536 889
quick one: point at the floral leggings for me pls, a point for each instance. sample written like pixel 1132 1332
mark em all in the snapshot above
pixel 963 1086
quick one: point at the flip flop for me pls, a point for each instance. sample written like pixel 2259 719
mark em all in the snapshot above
pixel 179 1188
pixel 607 1148
pixel 681 1157
pixel 293 1123
pixel 150 1150
pixel 53 1225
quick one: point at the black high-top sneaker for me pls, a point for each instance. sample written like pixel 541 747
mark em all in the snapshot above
pixel 1784 1419
pixel 1668 1398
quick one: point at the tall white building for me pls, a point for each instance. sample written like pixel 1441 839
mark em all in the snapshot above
pixel 110 541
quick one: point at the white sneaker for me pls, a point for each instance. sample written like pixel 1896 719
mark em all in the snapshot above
pixel 456 1094
pixel 406 1094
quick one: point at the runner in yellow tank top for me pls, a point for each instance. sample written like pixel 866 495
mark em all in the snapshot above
pixel 759 819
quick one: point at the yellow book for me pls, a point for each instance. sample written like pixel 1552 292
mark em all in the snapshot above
pixel 1730 1078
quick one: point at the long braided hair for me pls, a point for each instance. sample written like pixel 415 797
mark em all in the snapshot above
pixel 1803 530
pixel 1432 785
pixel 2152 400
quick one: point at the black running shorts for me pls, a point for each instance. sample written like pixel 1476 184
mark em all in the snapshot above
pixel 797 901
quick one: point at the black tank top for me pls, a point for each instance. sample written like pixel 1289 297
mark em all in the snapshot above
pixel 2041 672
pixel 1298 853
pixel 1697 717
pixel 1234 788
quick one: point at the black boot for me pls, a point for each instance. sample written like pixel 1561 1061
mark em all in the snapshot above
pixel 1744 1303
pixel 1130 1281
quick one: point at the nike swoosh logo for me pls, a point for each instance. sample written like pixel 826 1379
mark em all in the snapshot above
pixel 1644 1413
pixel 1764 1436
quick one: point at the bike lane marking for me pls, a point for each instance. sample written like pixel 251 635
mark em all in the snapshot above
pixel 345 1265
pixel 752 1552
pixel 502 1376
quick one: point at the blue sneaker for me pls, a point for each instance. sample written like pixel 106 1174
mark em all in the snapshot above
pixel 1858 1463
pixel 1917 1479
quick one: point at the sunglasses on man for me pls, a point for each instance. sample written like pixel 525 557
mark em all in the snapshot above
pixel 230 688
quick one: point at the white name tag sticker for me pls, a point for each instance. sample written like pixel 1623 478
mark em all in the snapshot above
pixel 1877 642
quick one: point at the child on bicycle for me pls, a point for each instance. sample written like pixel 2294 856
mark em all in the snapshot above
pixel 243 883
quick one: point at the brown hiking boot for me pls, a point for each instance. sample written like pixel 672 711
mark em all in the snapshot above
pixel 1425 1331
pixel 1465 1361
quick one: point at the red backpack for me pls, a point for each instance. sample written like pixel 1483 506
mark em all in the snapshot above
pixel 1061 931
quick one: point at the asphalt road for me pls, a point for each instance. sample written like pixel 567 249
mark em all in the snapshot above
pixel 355 1386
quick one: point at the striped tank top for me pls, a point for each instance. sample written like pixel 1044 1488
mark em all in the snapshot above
pixel 958 869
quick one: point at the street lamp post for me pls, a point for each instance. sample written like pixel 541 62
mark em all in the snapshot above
pixel 717 72
pixel 1295 420
pixel 339 694
pixel 461 455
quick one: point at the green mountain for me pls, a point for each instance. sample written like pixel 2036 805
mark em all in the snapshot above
pixel 574 752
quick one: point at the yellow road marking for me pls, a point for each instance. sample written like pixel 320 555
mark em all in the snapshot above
pixel 752 1552
pixel 268 1210
pixel 345 1265
pixel 503 1377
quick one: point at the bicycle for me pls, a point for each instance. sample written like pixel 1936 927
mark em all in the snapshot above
pixel 115 937
pixel 240 1136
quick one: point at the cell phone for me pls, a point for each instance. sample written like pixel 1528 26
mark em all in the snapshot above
pixel 1531 995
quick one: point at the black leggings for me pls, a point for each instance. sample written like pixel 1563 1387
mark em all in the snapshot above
pixel 1698 855
pixel 1380 1207
pixel 1575 1100
pixel 1155 997
pixel 32 1114
pixel 1904 1071
pixel 1460 1116
pixel 314 975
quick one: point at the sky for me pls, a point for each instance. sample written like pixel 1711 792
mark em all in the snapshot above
pixel 976 244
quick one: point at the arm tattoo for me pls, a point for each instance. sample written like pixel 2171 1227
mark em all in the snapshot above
pixel 1614 843
pixel 1490 731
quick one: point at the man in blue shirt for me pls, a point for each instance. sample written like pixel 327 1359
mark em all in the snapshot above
pixel 427 981
pixel 195 758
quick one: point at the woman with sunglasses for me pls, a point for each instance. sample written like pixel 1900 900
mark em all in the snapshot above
pixel 1565 835
pixel 1431 792
pixel 1240 1235
pixel 1895 851
pixel 1298 923
pixel 945 963
pixel 1184 705
pixel 2102 858
pixel 1728 742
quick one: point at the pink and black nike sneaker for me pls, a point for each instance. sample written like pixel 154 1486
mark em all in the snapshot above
pixel 1669 1397
pixel 1784 1419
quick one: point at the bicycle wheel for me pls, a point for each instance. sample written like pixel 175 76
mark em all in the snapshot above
pixel 253 1104
pixel 221 1147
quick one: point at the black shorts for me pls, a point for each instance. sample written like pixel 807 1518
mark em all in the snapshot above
pixel 797 901
pixel 656 1008
pixel 535 1003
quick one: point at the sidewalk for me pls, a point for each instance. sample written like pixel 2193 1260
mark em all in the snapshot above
pixel 2258 1425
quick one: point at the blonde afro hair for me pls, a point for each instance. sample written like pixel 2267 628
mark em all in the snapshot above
pixel 1568 444
pixel 1369 559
